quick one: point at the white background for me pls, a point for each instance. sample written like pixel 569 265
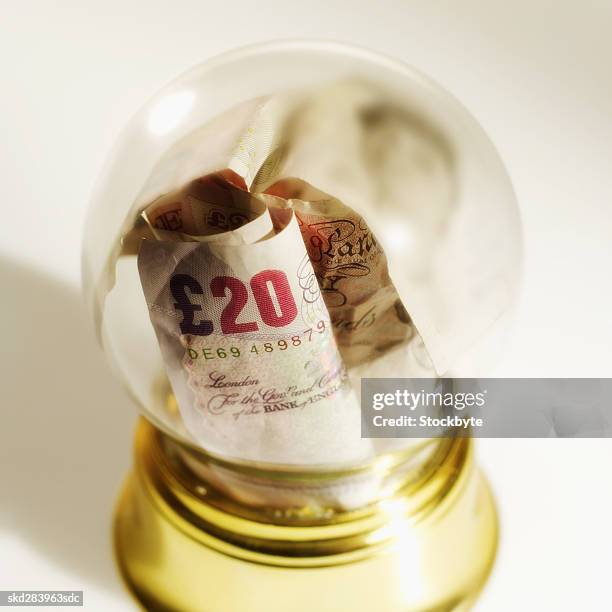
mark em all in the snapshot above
pixel 536 74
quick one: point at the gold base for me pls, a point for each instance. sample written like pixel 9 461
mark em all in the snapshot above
pixel 428 548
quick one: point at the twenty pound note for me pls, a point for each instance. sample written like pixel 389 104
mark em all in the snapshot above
pixel 247 340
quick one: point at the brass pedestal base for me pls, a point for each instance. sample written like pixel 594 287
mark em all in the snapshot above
pixel 429 548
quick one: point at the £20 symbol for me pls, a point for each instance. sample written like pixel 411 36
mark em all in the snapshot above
pixel 262 285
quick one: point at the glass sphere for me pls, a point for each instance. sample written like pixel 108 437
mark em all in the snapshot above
pixel 373 134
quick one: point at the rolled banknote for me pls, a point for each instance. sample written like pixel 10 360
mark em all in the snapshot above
pixel 246 337
pixel 367 314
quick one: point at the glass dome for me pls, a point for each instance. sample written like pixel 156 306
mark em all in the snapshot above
pixel 270 143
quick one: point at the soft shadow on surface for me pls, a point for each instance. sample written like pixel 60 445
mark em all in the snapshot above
pixel 66 426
